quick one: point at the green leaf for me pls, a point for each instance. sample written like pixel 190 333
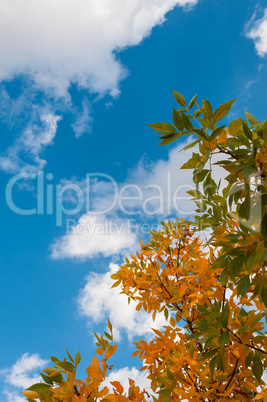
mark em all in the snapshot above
pixel 47 379
pixel 58 379
pixel 179 98
pixel 205 123
pixel 177 120
pixel 220 362
pixel 197 113
pixel 192 163
pixel 235 126
pixel 256 319
pixel 201 134
pixel 187 123
pixel 66 366
pixel 248 172
pixel 192 349
pixel 251 118
pixel 243 286
pixel 201 175
pixel 224 277
pixel 207 110
pixel 190 146
pixel 199 169
pixel 77 358
pixel 225 315
pixel 162 127
pixel 247 131
pixel 166 398
pixel 70 357
pixel 249 359
pixel 212 365
pixel 263 226
pixel 170 375
pixel 224 339
pixel 257 368
pixel 264 296
pixel 244 210
pixel 166 313
pixel 192 102
pixel 169 138
pixel 243 140
pixel 222 111
pixel 38 387
pixel 210 354
pixel 216 133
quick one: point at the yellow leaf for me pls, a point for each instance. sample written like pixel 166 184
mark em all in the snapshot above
pixel 172 322
pixel 30 394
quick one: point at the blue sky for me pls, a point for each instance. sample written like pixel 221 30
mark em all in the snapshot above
pixel 78 83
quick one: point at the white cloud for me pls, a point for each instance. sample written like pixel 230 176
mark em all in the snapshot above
pixel 56 44
pixel 83 121
pixel 155 188
pixel 164 185
pixel 26 151
pixel 97 301
pixel 257 30
pixel 22 375
pixel 75 41
pixel 13 396
pixel 119 222
pixel 94 235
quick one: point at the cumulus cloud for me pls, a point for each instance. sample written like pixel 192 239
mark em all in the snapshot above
pixel 115 215
pixel 94 235
pixel 257 30
pixel 73 42
pixel 22 375
pixel 152 188
pixel 110 226
pixel 64 42
pixel 97 301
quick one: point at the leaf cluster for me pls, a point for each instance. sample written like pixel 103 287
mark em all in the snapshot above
pixel 212 293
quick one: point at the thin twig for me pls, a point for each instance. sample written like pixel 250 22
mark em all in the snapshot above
pixel 232 376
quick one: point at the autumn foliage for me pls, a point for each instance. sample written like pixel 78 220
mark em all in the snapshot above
pixel 213 293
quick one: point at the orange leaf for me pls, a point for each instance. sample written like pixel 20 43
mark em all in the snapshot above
pixel 222 139
pixel 110 351
pixel 117 385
